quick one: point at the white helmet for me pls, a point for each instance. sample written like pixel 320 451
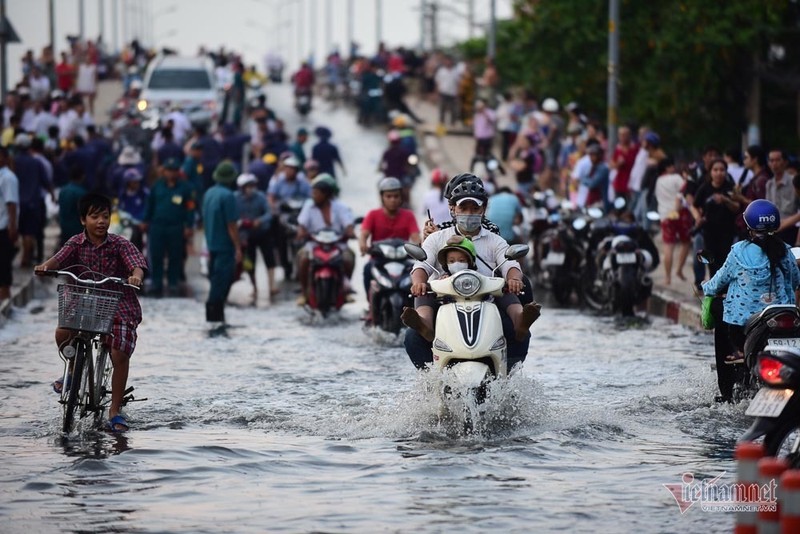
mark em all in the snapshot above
pixel 550 105
pixel 246 179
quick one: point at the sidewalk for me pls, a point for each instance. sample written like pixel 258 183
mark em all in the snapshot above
pixel 452 151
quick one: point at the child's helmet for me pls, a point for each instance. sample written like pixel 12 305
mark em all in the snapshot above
pixel 457 242
pixel 762 216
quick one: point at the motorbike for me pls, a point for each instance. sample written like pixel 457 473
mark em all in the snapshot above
pixel 391 282
pixel 469 347
pixel 616 269
pixel 326 288
pixel 302 101
pixel 776 407
pixel 562 249
pixel 288 211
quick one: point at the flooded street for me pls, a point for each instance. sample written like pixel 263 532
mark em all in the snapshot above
pixel 284 426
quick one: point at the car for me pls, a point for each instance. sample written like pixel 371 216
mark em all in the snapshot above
pixel 184 82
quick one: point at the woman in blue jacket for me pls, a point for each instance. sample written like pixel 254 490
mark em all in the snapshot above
pixel 759 271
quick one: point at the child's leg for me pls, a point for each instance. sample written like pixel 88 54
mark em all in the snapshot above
pixel 119 380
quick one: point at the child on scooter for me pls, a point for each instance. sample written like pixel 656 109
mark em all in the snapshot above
pixel 459 254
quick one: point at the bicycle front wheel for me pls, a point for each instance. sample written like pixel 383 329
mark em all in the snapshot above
pixel 75 383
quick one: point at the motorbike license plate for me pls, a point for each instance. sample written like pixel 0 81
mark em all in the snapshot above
pixel 784 341
pixel 768 402
pixel 626 257
pixel 555 258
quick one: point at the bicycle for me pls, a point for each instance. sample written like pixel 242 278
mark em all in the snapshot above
pixel 89 312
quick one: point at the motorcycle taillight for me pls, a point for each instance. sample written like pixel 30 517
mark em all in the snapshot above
pixel 555 245
pixel 772 371
pixel 783 321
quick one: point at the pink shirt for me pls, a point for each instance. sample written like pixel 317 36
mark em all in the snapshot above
pixel 484 124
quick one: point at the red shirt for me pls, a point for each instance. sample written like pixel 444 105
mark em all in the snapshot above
pixel 115 256
pixel 65 76
pixel 381 226
pixel 624 170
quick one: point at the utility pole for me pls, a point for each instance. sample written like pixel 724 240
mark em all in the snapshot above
pixel 350 28
pixel 125 37
pixel 754 105
pixel 51 20
pixel 81 19
pixel 492 44
pixel 3 54
pixel 423 15
pixel 378 23
pixel 328 28
pixel 101 20
pixel 613 73
pixel 114 24
pixel 300 37
pixel 471 18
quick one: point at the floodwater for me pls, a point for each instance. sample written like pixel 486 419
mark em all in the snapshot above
pixel 285 426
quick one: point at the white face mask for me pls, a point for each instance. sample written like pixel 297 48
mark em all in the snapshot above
pixel 457 266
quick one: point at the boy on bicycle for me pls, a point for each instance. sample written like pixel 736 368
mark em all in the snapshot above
pixel 109 255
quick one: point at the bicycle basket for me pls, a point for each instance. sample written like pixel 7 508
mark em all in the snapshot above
pixel 86 309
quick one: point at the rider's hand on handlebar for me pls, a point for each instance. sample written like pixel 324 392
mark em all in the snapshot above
pixel 419 289
pixel 135 281
pixel 39 269
pixel 515 285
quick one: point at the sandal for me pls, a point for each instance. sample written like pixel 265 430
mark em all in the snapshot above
pixel 736 357
pixel 58 384
pixel 115 422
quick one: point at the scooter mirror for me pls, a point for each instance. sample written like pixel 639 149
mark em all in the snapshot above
pixel 594 213
pixel 415 251
pixel 492 165
pixel 653 216
pixel 515 252
pixel 413 159
pixel 357 221
pixel 796 253
pixel 619 203
pixel 705 257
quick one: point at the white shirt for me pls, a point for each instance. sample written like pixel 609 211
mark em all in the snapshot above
pixel 42 122
pixel 180 125
pixel 40 87
pixel 312 220
pixel 87 78
pixel 737 171
pixel 491 247
pixel 447 81
pixel 9 193
pixel 638 170
pixel 668 188
pixel 438 206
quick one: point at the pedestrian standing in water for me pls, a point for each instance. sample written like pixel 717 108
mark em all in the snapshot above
pixel 168 221
pixel 220 216
pixel 254 231
pixel 326 153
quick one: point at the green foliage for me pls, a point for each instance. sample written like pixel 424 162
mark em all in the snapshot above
pixel 686 66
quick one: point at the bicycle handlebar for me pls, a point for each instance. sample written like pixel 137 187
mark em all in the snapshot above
pixel 54 273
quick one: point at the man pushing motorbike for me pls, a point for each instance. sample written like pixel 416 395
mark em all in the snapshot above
pixel 467 201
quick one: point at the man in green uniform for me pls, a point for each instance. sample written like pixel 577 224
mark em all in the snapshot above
pixel 68 217
pixel 297 147
pixel 193 169
pixel 168 219
pixel 220 216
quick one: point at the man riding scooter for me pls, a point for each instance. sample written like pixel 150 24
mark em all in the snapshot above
pixel 387 222
pixel 323 212
pixel 467 202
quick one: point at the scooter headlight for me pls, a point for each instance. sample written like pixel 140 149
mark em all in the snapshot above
pixel 499 344
pixel 381 278
pixel 466 284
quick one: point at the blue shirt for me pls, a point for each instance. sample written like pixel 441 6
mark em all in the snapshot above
pixel 219 210
pixel 326 155
pixel 283 189
pixel 502 210
pixel 32 178
pixel 254 208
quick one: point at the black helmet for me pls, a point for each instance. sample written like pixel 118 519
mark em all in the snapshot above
pixel 455 181
pixel 471 190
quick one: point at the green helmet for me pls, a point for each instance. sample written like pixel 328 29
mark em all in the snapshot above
pixel 326 183
pixel 457 242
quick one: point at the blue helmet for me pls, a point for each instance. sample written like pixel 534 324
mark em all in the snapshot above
pixel 762 216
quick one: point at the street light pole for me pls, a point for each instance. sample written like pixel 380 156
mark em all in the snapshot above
pixel 492 44
pixel 101 19
pixel 328 28
pixel 350 27
pixel 378 22
pixel 51 19
pixel 613 66
pixel 81 18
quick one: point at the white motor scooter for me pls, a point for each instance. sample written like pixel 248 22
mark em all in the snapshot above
pixel 469 344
